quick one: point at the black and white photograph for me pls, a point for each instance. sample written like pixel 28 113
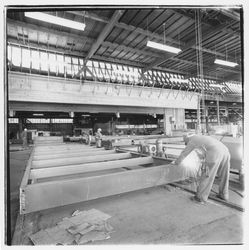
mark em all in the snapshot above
pixel 124 124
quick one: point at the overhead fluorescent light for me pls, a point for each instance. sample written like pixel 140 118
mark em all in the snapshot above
pixel 178 80
pixel 163 47
pixel 38 114
pixel 56 20
pixel 225 63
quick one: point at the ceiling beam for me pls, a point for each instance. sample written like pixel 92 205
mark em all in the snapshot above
pixel 139 30
pixel 188 45
pixel 104 33
pixel 128 27
pixel 227 29
pixel 231 14
pixel 129 49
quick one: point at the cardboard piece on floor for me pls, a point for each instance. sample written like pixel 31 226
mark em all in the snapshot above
pixel 82 227
pixel 92 216
pixel 93 236
pixel 52 236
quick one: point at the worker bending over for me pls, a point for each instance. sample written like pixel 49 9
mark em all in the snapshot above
pixel 216 160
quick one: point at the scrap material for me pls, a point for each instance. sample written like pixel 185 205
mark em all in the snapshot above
pixel 81 228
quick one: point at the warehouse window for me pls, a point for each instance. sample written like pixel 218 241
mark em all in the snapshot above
pixel 13 120
pixel 44 61
pixel 52 63
pixel 35 59
pixel 16 56
pixel 68 65
pixel 62 120
pixel 60 61
pixel 75 65
pixel 25 58
pixel 40 120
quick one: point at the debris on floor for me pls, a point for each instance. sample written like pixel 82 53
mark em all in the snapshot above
pixel 81 228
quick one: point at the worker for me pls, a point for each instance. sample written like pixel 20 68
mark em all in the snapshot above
pixel 216 161
pixel 24 138
pixel 98 137
pixel 90 134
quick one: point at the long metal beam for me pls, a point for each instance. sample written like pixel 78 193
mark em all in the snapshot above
pixel 70 154
pixel 104 33
pixel 129 49
pixel 39 196
pixel 78 160
pixel 90 167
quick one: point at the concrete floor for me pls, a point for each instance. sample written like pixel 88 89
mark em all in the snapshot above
pixel 159 215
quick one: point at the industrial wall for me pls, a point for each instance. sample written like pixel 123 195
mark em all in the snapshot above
pixel 43 89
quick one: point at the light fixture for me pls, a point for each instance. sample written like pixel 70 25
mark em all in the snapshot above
pixel 163 47
pixel 154 115
pixel 118 115
pixel 56 20
pixel 38 114
pixel 225 63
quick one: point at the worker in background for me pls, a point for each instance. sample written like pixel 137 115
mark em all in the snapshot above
pixel 216 160
pixel 90 134
pixel 98 137
pixel 25 138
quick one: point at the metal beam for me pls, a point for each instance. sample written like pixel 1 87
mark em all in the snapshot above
pixel 128 27
pixel 231 14
pixel 70 154
pixel 90 167
pixel 56 193
pixel 129 49
pixel 78 160
pixel 117 14
pixel 227 29
pixel 188 45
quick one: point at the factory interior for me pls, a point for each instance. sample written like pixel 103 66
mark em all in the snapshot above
pixel 125 125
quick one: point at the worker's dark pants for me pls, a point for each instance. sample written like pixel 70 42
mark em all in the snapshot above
pixel 220 166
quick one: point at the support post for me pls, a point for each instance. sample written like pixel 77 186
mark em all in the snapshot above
pixel 218 111
pixel 198 122
pixel 166 122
